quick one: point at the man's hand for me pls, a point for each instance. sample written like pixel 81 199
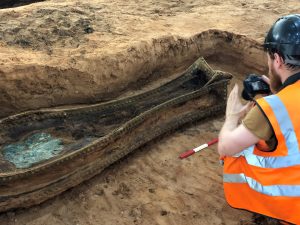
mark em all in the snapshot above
pixel 266 79
pixel 234 138
pixel 234 106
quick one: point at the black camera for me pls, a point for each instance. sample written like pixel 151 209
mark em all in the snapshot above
pixel 253 85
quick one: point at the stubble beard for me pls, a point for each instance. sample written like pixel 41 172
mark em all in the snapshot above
pixel 275 81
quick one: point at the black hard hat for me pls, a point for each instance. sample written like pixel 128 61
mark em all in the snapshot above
pixel 284 36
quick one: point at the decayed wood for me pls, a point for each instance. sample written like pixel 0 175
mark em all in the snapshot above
pixel 98 135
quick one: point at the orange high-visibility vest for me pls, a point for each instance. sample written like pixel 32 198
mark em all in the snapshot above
pixel 269 182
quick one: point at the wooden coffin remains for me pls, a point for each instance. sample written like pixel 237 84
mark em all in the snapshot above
pixel 45 152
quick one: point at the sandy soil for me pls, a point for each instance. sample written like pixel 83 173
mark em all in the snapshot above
pixel 65 52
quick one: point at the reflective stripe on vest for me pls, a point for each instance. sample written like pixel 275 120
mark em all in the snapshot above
pixel 269 162
pixel 284 120
pixel 271 190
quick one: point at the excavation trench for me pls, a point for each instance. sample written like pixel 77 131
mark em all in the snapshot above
pixel 163 92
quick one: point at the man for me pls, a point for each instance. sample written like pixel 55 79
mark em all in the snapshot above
pixel 262 154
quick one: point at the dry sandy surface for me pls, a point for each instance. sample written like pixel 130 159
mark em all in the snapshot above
pixel 67 52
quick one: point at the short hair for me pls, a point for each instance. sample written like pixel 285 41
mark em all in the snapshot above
pixel 291 67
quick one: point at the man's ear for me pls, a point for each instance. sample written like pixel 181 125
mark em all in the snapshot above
pixel 278 61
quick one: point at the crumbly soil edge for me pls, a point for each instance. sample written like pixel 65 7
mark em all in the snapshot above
pixel 30 86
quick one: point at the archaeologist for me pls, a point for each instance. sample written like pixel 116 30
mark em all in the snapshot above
pixel 262 153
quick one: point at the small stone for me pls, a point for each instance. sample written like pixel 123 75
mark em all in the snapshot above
pixel 163 212
pixel 88 30
pixel 151 190
pixel 99 192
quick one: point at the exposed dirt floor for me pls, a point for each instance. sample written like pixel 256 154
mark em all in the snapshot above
pixel 60 52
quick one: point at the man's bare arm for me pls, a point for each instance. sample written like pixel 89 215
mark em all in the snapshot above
pixel 234 138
